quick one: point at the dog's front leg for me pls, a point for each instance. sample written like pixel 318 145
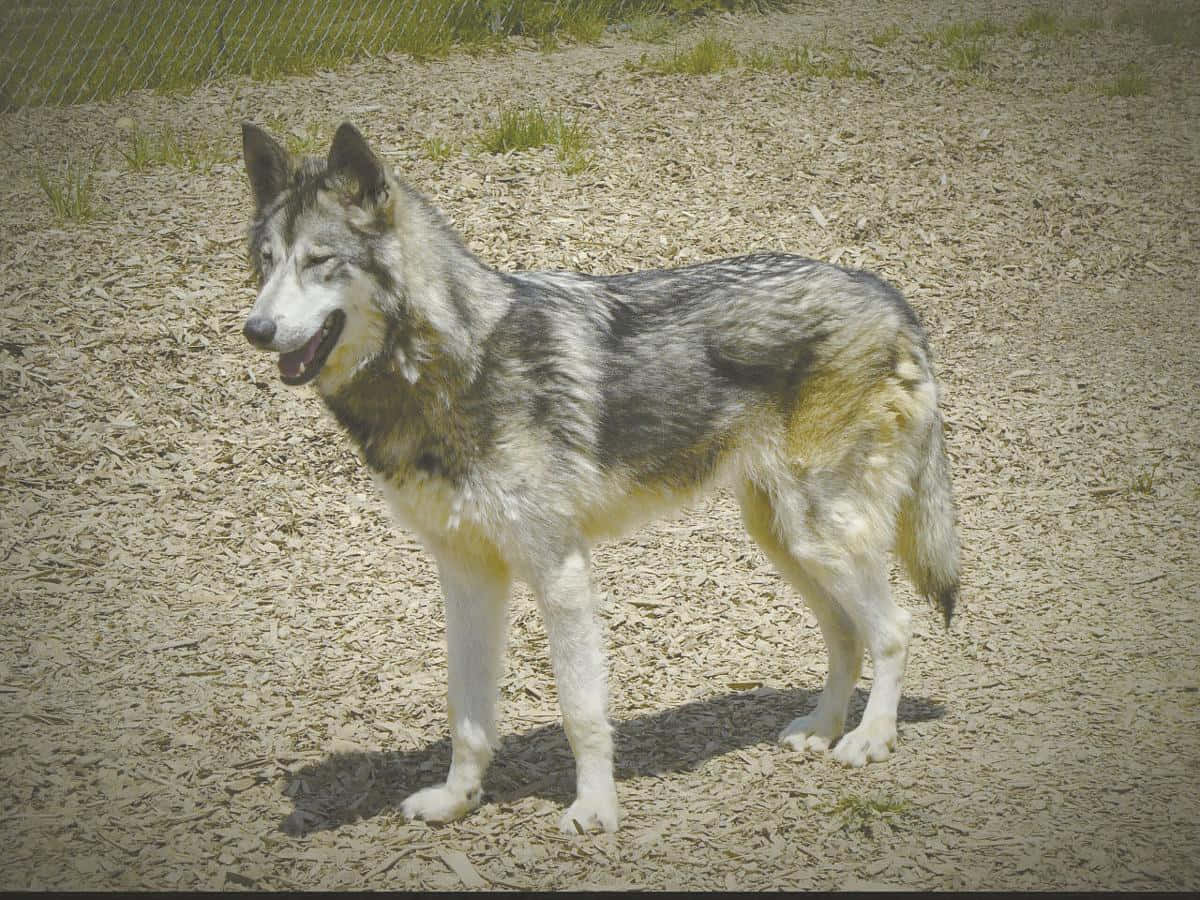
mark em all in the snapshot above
pixel 476 596
pixel 564 594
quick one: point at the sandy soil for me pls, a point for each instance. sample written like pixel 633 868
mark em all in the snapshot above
pixel 222 667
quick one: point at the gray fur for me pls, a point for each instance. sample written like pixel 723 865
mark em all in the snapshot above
pixel 514 418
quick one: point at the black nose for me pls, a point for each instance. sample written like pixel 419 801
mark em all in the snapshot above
pixel 259 330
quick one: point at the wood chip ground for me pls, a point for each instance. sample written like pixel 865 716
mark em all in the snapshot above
pixel 221 667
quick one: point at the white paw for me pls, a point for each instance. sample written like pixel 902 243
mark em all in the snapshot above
pixel 869 742
pixel 597 813
pixel 811 733
pixel 440 804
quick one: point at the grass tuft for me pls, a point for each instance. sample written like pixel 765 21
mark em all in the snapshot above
pixel 886 36
pixel 311 140
pixel 1045 23
pixel 715 55
pixel 1039 21
pixel 517 129
pixel 963 32
pixel 710 54
pixel 965 57
pixel 842 67
pixel 70 190
pixel 584 22
pixel 166 148
pixel 438 149
pixel 862 813
pixel 963 43
pixel 1143 482
pixel 1132 81
pixel 524 129
pixel 653 28
pixel 141 153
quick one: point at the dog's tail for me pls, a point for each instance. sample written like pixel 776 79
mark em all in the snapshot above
pixel 927 538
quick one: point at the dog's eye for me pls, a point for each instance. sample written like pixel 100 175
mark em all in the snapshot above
pixel 319 259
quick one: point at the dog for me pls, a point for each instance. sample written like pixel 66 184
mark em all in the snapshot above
pixel 512 419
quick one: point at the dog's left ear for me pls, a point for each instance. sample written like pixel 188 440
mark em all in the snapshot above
pixel 350 156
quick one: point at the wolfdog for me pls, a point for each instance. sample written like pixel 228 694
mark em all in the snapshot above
pixel 513 419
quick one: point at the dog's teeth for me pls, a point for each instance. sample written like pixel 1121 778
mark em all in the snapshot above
pixel 302 368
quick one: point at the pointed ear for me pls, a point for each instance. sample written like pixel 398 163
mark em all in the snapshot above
pixel 350 156
pixel 266 163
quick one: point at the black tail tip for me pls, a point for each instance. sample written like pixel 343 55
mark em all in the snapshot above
pixel 947 599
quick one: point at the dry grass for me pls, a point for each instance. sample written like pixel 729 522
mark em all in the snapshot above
pixel 222 667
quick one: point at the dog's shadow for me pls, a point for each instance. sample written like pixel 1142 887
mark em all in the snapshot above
pixel 346 787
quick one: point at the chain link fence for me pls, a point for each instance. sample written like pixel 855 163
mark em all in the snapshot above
pixel 76 51
pixel 81 50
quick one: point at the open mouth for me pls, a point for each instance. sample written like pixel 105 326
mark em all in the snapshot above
pixel 300 366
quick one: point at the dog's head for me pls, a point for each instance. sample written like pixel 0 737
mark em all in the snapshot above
pixel 315 239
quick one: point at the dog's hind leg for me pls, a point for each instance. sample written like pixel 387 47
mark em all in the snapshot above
pixel 826 546
pixel 860 587
pixel 476 593
pixel 564 594
pixel 820 728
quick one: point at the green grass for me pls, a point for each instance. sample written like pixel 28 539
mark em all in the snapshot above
pixel 146 150
pixel 842 67
pixel 1132 81
pixel 141 153
pixel 70 190
pixel 859 813
pixel 75 51
pixel 965 57
pixel 1143 482
pixel 1039 21
pixel 1049 24
pixel 963 43
pixel 583 21
pixel 309 141
pixel 710 54
pixel 963 32
pixel 438 149
pixel 524 129
pixel 886 36
pixel 713 54
pixel 1174 22
pixel 801 61
pixel 518 129
pixel 652 28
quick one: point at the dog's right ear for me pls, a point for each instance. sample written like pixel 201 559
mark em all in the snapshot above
pixel 266 164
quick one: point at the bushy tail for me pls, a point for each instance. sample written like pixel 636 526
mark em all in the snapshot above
pixel 927 537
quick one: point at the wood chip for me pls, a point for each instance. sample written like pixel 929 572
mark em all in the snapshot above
pixel 458 863
pixel 216 645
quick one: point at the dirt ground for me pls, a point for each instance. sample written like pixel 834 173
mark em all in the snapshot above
pixel 222 667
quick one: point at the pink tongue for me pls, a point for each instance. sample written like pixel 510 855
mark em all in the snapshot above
pixel 290 363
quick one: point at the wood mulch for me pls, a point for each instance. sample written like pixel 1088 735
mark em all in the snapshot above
pixel 222 667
